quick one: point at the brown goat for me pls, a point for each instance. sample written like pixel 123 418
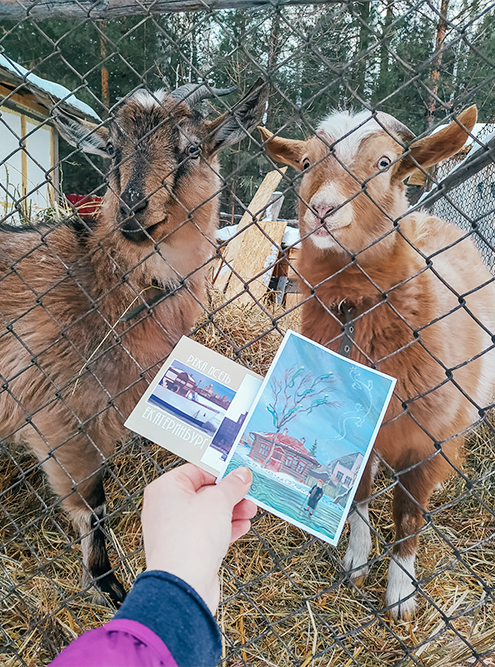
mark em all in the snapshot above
pixel 419 298
pixel 67 384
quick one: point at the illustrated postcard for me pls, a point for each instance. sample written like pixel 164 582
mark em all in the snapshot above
pixel 309 434
pixel 196 405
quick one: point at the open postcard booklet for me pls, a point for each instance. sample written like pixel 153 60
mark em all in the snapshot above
pixel 305 432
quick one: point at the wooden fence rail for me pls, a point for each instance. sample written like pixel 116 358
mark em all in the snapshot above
pixel 111 9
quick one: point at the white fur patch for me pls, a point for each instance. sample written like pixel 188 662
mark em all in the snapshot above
pixel 328 196
pixel 360 545
pixel 401 585
pixel 149 100
pixel 357 125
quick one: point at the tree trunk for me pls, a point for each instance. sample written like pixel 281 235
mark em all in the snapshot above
pixel 361 66
pixel 273 51
pixel 437 63
pixel 272 449
pixel 105 93
pixel 383 82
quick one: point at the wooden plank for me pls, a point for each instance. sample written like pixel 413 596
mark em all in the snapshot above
pixel 256 208
pixel 258 251
pixel 292 299
pixel 111 9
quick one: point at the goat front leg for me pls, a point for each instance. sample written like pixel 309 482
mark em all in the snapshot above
pixel 410 499
pixel 85 502
pixel 355 561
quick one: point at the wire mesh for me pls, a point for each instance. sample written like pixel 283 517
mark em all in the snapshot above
pixel 86 322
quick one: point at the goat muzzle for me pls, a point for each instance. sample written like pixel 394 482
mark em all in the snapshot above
pixel 134 230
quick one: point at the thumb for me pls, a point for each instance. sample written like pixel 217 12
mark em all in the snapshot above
pixel 236 485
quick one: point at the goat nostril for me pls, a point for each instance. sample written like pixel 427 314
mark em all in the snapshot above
pixel 141 205
pixel 129 211
pixel 132 202
pixel 322 210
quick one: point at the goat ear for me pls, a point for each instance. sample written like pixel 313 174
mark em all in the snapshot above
pixel 288 151
pixel 231 127
pixel 438 146
pixel 81 134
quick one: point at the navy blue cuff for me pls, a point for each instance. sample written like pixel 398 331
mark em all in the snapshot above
pixel 174 611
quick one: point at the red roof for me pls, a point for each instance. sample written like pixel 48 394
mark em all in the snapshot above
pixel 291 442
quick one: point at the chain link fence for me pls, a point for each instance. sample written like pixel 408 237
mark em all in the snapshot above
pixel 75 344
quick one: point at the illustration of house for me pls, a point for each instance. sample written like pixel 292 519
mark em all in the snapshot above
pixel 339 472
pixel 345 469
pixel 282 453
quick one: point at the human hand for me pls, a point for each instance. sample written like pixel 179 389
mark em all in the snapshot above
pixel 189 522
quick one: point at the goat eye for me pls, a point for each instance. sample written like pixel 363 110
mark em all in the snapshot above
pixel 384 161
pixel 110 149
pixel 193 151
pixel 306 164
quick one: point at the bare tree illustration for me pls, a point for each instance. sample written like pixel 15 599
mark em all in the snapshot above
pixel 296 393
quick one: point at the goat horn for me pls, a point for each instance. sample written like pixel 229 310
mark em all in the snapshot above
pixel 392 124
pixel 192 93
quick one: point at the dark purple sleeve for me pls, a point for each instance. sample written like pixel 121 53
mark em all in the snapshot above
pixel 162 623
pixel 120 643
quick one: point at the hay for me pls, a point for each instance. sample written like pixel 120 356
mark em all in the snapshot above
pixel 285 598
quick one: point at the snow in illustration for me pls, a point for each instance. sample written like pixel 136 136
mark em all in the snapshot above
pixel 309 435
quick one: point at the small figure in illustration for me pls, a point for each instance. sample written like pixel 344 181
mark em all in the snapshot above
pixel 314 497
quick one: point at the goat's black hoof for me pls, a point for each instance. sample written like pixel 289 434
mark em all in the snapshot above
pixel 112 589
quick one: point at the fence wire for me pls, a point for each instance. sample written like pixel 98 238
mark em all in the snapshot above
pixel 95 292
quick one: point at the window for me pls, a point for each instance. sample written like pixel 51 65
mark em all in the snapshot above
pixel 347 480
pixel 301 467
pixel 264 450
pixel 289 461
pixel 339 476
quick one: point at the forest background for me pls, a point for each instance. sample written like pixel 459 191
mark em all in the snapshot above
pixel 419 61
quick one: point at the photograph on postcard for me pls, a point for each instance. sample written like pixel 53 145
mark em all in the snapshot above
pixel 309 434
pixel 219 448
pixel 191 401
pixel 195 398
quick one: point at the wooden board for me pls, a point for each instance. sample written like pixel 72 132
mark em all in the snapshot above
pixel 111 9
pixel 292 298
pixel 258 204
pixel 257 252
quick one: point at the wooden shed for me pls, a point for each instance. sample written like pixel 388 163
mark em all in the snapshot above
pixel 28 141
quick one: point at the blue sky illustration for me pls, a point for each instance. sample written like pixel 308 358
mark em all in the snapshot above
pixel 341 429
pixel 203 380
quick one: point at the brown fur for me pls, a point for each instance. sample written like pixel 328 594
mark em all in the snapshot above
pixel 66 286
pixel 411 319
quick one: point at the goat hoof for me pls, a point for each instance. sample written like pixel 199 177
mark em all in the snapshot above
pixel 359 581
pixel 355 575
pixel 401 589
pixel 403 609
pixel 397 615
pixel 111 590
pixel 116 591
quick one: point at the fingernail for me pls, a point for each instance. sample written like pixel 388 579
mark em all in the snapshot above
pixel 244 474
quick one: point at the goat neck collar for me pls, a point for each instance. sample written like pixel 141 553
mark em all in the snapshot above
pixel 154 295
pixel 346 310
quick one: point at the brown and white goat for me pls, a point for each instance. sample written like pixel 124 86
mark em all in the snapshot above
pixel 419 297
pixel 67 384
